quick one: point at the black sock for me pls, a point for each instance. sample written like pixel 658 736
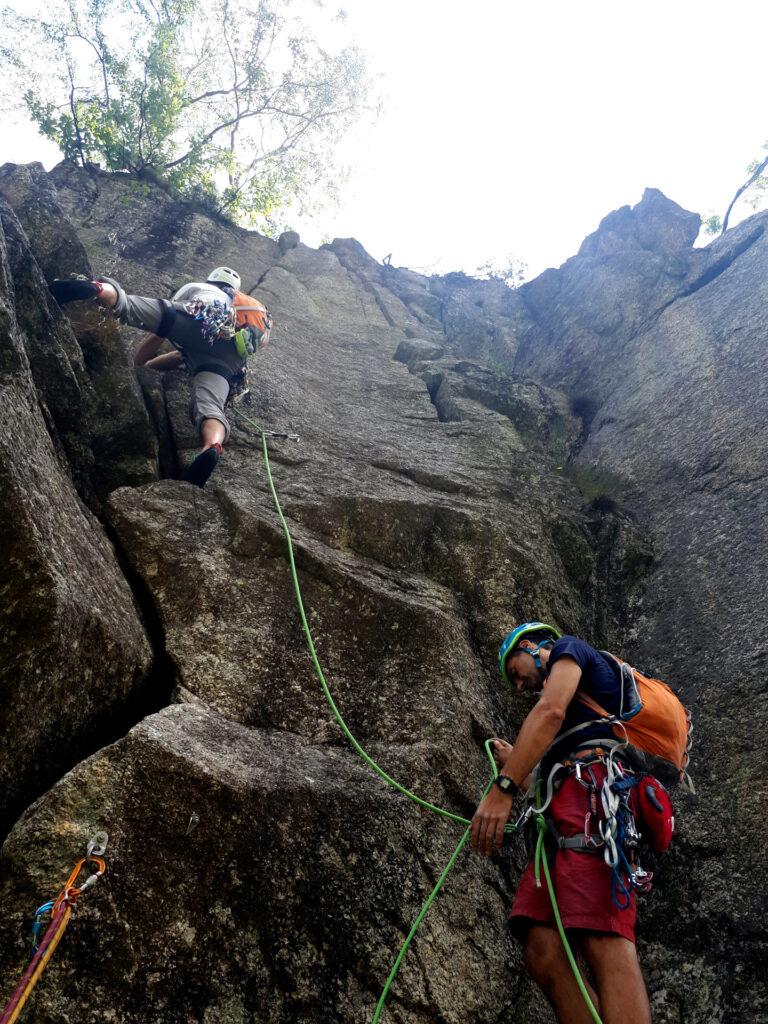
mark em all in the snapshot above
pixel 198 471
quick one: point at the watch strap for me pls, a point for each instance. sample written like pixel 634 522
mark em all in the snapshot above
pixel 506 785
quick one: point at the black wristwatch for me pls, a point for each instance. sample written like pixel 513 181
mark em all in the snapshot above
pixel 507 785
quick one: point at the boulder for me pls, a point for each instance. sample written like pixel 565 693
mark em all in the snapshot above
pixel 273 880
pixel 417 349
pixel 288 240
pixel 657 224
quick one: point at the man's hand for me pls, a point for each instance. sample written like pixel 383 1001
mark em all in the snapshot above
pixel 489 820
pixel 501 751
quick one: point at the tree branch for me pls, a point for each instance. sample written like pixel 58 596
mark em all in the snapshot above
pixel 142 115
pixel 740 191
pixel 90 42
pixel 238 111
pixel 220 128
pixel 209 94
pixel 73 111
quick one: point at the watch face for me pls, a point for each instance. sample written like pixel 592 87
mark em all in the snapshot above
pixel 505 782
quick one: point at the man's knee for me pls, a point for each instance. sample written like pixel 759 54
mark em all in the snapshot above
pixel 543 954
pixel 138 310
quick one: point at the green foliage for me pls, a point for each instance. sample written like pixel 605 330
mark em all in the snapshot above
pixel 511 271
pixel 597 485
pixel 236 106
pixel 497 368
pixel 712 224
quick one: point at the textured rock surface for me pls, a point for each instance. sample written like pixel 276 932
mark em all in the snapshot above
pixel 284 903
pixel 72 647
pixel 588 449
pixel 88 383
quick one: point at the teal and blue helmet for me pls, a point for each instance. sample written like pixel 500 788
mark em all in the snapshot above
pixel 513 639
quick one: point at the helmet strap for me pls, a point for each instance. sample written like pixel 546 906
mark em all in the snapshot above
pixel 535 653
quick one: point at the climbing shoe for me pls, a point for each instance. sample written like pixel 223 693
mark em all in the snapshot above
pixel 198 471
pixel 73 289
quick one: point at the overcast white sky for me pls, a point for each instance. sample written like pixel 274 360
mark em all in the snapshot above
pixel 512 128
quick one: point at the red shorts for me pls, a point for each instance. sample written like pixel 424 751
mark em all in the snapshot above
pixel 582 881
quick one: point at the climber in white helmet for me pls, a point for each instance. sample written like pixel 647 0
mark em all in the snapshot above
pixel 197 321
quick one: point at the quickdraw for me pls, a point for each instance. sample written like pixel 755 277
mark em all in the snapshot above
pixel 618 830
pixel 217 319
pixel 61 910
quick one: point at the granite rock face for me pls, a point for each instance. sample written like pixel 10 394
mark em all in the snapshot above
pixel 72 646
pixel 676 411
pixel 586 449
pixel 87 380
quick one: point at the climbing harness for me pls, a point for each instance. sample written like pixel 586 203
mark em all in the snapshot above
pixel 617 832
pixel 61 910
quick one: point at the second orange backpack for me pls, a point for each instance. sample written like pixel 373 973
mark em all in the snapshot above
pixel 652 718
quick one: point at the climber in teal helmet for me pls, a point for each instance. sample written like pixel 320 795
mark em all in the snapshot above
pixel 562 735
pixel 197 322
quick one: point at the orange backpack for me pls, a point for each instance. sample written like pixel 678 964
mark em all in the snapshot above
pixel 651 718
pixel 253 323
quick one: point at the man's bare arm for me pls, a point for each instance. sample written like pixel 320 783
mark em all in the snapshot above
pixel 536 735
pixel 166 361
pixel 148 349
pixel 544 721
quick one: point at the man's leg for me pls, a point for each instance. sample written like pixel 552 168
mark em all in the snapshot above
pixel 547 964
pixel 619 980
pixel 144 312
pixel 212 432
pixel 209 396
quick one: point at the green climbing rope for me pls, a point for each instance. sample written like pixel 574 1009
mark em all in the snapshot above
pixel 539 861
pixel 430 899
pixel 541 823
pixel 315 661
pixel 415 926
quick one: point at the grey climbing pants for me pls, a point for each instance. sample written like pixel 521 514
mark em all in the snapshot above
pixel 213 365
pixel 209 394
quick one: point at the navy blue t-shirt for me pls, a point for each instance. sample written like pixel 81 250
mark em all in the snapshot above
pixel 600 679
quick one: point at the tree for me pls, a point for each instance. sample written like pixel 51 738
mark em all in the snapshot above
pixel 511 271
pixel 240 106
pixel 754 187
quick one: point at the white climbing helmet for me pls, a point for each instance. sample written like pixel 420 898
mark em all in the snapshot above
pixel 225 275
